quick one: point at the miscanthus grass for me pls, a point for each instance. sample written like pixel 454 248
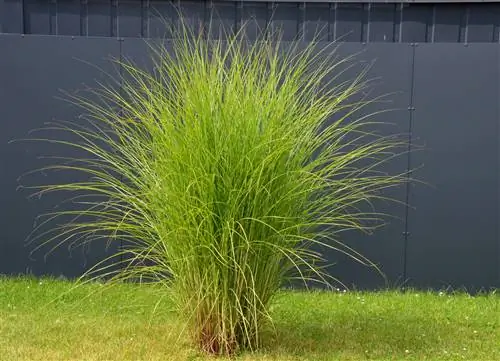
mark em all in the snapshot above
pixel 224 171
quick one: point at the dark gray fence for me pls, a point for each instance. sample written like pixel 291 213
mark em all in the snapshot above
pixel 448 96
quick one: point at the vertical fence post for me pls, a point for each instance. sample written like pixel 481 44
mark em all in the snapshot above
pixel 2 15
pixel 411 109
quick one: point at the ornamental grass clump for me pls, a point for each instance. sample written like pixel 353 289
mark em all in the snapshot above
pixel 223 171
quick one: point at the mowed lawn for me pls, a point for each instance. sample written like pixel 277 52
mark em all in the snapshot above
pixel 135 322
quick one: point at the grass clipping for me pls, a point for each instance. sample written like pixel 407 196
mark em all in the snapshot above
pixel 222 173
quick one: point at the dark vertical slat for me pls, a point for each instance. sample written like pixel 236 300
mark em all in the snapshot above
pixel 114 18
pixel 285 20
pixel 144 18
pixel 68 17
pixel 99 18
pixel 301 19
pixel 317 20
pixel 464 24
pixel 129 18
pixel 222 18
pixel 12 17
pixel 496 30
pixel 254 15
pixel 365 23
pixel 382 22
pixel 333 22
pixel 162 19
pixel 193 14
pixel 349 22
pixel 238 14
pixel 36 17
pixel 448 23
pixel 2 12
pixel 398 19
pixel 431 26
pixel 84 17
pixel 416 22
pixel 481 22
pixel 53 17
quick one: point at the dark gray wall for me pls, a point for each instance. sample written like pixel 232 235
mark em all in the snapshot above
pixel 446 96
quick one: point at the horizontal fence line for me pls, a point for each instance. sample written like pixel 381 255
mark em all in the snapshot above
pixel 347 21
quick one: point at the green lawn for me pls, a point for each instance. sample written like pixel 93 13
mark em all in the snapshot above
pixel 127 322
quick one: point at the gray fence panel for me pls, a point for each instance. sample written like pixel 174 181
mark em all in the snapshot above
pixel 392 72
pixel 453 222
pixel 36 68
pixel 454 225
